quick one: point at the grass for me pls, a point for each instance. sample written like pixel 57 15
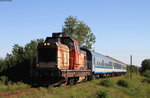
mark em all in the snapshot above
pixel 6 85
pixel 122 83
pixel 13 86
pixel 102 93
pixel 91 89
pixel 106 83
pixel 136 89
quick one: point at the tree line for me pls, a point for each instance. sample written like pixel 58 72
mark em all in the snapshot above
pixel 16 66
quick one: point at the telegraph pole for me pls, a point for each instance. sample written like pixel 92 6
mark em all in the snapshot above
pixel 130 66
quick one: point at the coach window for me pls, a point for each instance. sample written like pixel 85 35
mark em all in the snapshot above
pixel 110 63
pixel 102 62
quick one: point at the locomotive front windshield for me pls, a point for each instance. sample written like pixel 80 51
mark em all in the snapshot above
pixel 46 54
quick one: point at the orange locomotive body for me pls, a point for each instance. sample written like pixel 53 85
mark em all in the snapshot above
pixel 77 58
pixel 60 58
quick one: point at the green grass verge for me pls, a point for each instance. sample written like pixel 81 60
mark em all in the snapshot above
pixel 92 89
pixel 13 86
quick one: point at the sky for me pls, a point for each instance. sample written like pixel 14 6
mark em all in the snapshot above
pixel 121 27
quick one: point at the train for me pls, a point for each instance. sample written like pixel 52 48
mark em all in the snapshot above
pixel 59 58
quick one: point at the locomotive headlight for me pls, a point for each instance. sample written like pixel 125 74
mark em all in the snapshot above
pixel 48 44
pixel 44 44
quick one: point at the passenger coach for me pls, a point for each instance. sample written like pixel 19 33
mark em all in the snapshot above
pixel 102 66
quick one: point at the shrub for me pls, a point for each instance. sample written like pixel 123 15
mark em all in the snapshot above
pixel 41 88
pixel 106 83
pixel 17 86
pixel 102 93
pixel 122 83
pixel 4 80
pixel 146 80
pixel 13 86
pixel 147 73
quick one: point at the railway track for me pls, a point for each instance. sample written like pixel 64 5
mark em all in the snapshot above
pixel 17 93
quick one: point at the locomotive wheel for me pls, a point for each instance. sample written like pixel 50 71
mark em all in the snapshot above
pixel 71 81
pixel 104 75
pixel 86 79
pixel 112 75
pixel 89 78
pixel 93 77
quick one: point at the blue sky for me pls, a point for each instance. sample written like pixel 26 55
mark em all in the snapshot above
pixel 122 27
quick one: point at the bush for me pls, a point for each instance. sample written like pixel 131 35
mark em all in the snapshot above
pixel 41 88
pixel 122 83
pixel 13 86
pixel 146 80
pixel 17 86
pixel 106 83
pixel 102 93
pixel 4 80
pixel 147 73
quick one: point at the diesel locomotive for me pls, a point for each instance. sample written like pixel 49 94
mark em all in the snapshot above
pixel 59 58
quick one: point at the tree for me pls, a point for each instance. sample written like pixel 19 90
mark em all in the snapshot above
pixel 132 68
pixel 2 64
pixel 147 74
pixel 80 31
pixel 145 65
pixel 18 63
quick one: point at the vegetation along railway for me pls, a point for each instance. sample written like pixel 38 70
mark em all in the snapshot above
pixel 59 58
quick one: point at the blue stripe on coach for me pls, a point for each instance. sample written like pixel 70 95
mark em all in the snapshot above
pixel 102 72
pixel 104 67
